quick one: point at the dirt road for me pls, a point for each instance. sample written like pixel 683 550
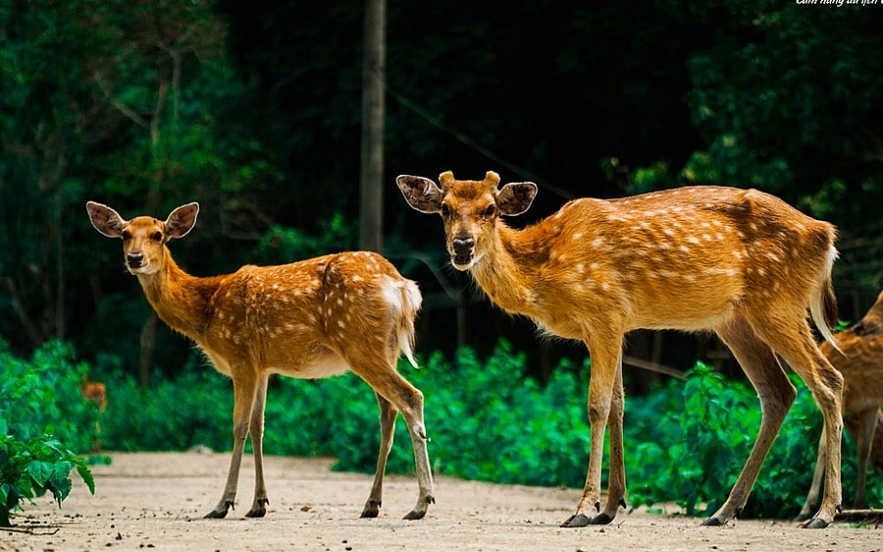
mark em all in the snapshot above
pixel 156 502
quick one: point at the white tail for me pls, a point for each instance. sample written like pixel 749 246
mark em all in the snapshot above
pixel 739 262
pixel 859 358
pixel 310 319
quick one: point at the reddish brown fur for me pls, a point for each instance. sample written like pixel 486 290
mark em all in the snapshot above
pixel 94 391
pixel 739 262
pixel 860 361
pixel 310 319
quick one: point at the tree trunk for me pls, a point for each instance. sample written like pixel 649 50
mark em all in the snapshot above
pixel 148 336
pixel 371 181
pixel 60 315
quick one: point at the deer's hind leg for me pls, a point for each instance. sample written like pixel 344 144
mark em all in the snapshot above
pixel 790 337
pixel 388 414
pixel 378 370
pixel 864 437
pixel 776 395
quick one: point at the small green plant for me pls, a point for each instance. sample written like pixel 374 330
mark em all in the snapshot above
pixel 28 469
pixel 42 408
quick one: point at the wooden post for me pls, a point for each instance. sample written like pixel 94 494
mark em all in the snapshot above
pixel 371 181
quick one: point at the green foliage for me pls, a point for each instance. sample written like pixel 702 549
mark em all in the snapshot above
pixel 30 468
pixel 488 422
pixel 693 450
pixel 42 396
pixel 195 408
pixel 285 245
pixel 42 407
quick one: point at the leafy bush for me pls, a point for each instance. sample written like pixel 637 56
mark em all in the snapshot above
pixel 30 468
pixel 285 245
pixel 42 395
pixel 692 452
pixel 195 408
pixel 42 408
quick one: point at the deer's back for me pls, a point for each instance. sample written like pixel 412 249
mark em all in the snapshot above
pixel 293 318
pixel 683 258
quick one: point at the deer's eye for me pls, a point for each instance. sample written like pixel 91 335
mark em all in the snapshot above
pixel 157 236
pixel 445 210
pixel 490 210
pixel 127 235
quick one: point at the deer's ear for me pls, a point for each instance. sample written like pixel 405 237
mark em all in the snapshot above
pixel 105 220
pixel 421 193
pixel 181 220
pixel 515 198
pixel 867 327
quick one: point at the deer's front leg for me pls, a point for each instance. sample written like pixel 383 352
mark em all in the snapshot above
pixel 256 430
pixel 243 401
pixel 605 357
pixel 616 481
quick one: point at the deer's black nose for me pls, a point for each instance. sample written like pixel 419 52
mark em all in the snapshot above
pixel 463 246
pixel 135 259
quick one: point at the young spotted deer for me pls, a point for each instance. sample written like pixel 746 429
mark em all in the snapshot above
pixel 309 319
pixel 739 262
pixel 860 361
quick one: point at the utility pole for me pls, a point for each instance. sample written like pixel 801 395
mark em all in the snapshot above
pixel 371 179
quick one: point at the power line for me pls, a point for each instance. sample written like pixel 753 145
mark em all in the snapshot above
pixel 460 136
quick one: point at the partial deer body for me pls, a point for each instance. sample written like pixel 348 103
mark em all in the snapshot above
pixel 739 262
pixel 860 361
pixel 94 391
pixel 309 319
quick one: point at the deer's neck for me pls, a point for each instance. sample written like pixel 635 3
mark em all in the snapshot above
pixel 507 271
pixel 180 300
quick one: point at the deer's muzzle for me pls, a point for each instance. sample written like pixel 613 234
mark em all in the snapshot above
pixel 463 247
pixel 135 259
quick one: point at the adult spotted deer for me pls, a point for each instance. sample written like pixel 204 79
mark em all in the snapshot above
pixel 860 361
pixel 739 262
pixel 309 319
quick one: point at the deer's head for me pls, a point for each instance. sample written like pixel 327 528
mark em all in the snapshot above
pixel 144 238
pixel 470 209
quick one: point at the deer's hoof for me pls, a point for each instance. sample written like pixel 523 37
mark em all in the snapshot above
pixel 220 511
pixel 576 520
pixel 420 509
pixel 259 509
pixel 815 523
pixel 713 522
pixel 415 515
pixel 216 514
pixel 601 519
pixel 372 509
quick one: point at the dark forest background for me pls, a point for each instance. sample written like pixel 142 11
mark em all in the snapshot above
pixel 254 110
